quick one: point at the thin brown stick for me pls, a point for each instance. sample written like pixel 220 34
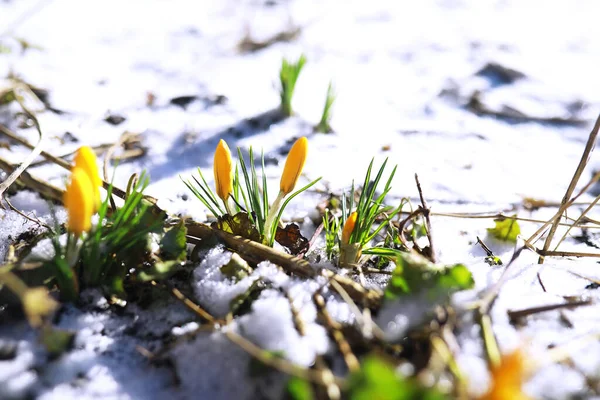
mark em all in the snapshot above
pixel 426 213
pixel 515 315
pixel 334 329
pixel 282 364
pixel 547 253
pixel 189 303
pixel 589 147
pixel 58 161
pixel 35 151
pixel 581 217
pixel 257 252
pixel 593 280
pixel 298 323
pixel 99 149
pixel 539 278
pixel 44 188
pixel 513 217
pixel 22 214
pixel 490 296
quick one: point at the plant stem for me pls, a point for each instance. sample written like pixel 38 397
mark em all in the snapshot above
pixel 273 210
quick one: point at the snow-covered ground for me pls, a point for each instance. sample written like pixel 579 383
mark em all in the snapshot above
pixel 408 78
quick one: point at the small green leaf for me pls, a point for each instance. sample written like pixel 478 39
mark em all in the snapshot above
pixel 506 229
pixel 456 277
pixel 159 270
pixel 173 245
pixel 56 341
pixel 378 380
pixel 415 273
pixel 299 389
pixel 493 260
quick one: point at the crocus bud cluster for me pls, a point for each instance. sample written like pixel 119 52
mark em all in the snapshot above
pixel 82 196
pixel 223 171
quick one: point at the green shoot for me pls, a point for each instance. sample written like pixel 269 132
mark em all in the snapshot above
pixel 324 125
pixel 368 209
pixel 331 225
pixel 288 75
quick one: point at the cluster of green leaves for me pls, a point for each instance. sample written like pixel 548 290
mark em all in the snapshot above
pixel 416 274
pixel 254 196
pixel 288 75
pixel 120 242
pixel 370 208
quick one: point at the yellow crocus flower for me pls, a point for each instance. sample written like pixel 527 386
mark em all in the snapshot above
pixel 80 201
pixel 86 160
pixel 223 170
pixel 507 379
pixel 349 227
pixel 293 165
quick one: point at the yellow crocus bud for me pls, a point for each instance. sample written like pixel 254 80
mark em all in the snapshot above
pixel 86 160
pixel 349 227
pixel 293 165
pixel 223 170
pixel 79 201
pixel 507 379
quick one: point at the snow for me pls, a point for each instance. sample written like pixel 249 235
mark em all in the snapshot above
pixel 403 74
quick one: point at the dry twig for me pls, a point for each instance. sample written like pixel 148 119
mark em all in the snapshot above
pixel 589 147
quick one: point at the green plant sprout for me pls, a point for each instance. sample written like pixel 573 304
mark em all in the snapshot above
pixel 324 125
pixel 357 226
pixel 331 226
pixel 121 239
pixel 288 75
